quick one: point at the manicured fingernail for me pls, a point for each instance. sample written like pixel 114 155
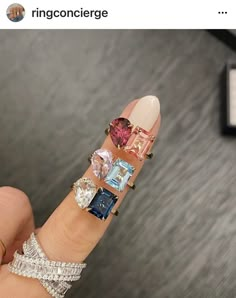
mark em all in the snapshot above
pixel 145 112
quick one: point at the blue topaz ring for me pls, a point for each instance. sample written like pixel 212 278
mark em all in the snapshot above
pixel 116 172
pixel 98 201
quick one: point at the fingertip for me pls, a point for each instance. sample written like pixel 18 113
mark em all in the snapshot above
pixel 12 191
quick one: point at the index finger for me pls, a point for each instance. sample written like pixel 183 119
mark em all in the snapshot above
pixel 74 228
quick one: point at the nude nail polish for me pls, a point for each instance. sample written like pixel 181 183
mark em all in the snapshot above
pixel 145 112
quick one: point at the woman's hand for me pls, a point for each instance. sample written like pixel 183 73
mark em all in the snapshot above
pixel 70 234
pixel 15 11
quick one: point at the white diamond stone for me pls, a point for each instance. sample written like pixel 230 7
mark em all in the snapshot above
pixel 85 190
pixel 57 277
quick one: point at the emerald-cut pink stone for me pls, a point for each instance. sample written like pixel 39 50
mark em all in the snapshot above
pixel 120 131
pixel 139 143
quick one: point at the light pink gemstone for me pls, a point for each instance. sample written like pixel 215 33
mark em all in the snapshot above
pixel 139 143
pixel 101 161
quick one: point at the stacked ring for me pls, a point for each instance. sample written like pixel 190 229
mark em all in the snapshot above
pixel 55 276
pixel 114 171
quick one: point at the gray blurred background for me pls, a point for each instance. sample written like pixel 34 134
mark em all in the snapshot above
pixel 176 234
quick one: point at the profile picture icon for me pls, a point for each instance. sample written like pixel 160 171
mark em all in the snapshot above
pixel 15 12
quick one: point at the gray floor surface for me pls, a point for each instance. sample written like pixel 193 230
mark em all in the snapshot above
pixel 176 234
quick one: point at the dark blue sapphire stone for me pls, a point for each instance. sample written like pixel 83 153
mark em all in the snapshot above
pixel 102 203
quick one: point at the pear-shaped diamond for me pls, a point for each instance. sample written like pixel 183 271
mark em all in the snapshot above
pixel 85 190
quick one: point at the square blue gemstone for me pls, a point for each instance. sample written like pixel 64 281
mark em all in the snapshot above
pixel 102 203
pixel 119 174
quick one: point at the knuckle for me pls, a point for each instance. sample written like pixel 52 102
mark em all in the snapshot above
pixel 16 198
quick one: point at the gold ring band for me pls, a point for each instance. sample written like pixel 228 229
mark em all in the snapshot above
pixel 3 248
pixel 115 212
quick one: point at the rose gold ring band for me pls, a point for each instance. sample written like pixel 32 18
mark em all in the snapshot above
pixel 4 250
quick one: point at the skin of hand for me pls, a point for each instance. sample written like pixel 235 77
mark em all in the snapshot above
pixel 16 220
pixel 16 11
pixel 58 236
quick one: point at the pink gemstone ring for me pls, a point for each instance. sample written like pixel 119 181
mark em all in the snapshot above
pixel 104 165
pixel 120 130
pixel 134 140
pixel 101 161
pixel 139 143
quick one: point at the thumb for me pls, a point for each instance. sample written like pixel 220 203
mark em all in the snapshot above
pixel 16 221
